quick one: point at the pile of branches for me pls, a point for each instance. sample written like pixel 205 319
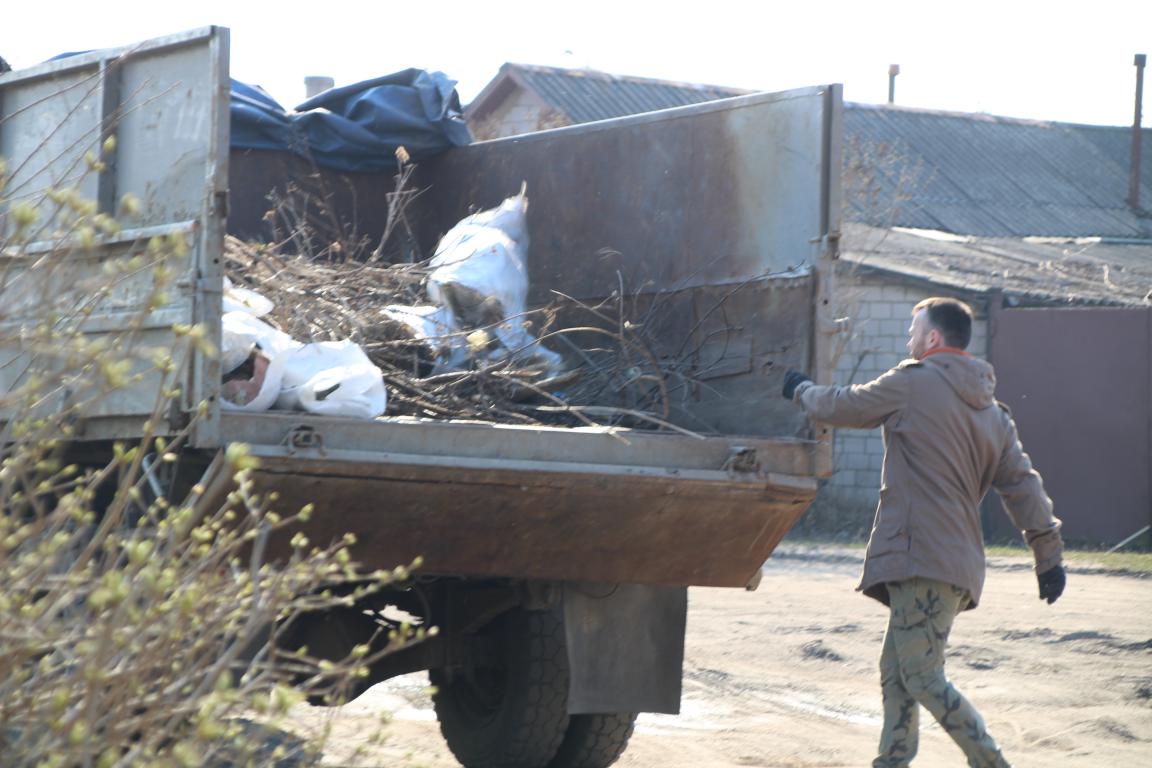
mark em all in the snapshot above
pixel 611 374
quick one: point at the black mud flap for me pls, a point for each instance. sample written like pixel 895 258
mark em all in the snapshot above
pixel 625 647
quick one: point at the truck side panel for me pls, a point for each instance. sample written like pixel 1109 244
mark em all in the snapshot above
pixel 149 121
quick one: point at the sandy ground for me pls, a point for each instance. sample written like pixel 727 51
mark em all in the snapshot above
pixel 786 676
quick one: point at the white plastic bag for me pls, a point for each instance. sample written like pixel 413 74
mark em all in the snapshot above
pixel 510 217
pixel 332 378
pixel 480 276
pixel 245 327
pixel 480 269
pixel 237 299
pixel 241 333
pixel 426 323
pixel 436 327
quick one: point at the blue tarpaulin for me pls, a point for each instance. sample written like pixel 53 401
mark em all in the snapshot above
pixel 357 127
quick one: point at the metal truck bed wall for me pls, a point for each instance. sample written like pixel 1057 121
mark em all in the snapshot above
pixel 719 216
pixel 166 103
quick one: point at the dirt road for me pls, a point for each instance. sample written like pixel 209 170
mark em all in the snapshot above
pixel 786 676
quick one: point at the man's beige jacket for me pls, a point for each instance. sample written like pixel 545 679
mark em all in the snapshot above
pixel 946 442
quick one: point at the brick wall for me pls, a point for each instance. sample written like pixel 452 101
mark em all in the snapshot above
pixel 520 113
pixel 880 313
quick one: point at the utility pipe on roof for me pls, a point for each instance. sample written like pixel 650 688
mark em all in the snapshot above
pixel 314 85
pixel 1134 177
pixel 893 70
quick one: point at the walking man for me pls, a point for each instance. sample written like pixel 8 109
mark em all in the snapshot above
pixel 946 442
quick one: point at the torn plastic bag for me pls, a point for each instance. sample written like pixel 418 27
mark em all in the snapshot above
pixel 243 335
pixel 480 269
pixel 436 330
pixel 510 217
pixel 332 378
pixel 480 274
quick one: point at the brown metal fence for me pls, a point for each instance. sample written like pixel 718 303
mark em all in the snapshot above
pixel 1079 383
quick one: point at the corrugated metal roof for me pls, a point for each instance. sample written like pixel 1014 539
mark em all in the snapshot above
pixel 1030 270
pixel 991 176
pixel 587 95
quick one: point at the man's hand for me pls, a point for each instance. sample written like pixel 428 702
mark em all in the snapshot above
pixel 792 379
pixel 1052 583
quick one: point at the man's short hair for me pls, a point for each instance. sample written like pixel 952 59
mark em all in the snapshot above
pixel 952 317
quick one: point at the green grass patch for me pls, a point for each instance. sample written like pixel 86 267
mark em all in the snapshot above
pixel 1137 562
pixel 1080 557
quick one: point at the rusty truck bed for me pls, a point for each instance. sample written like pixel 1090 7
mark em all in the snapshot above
pixel 488 500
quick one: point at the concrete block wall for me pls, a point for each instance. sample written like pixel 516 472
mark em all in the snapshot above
pixel 880 313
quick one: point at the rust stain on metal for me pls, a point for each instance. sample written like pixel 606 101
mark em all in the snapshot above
pixel 546 526
pixel 649 202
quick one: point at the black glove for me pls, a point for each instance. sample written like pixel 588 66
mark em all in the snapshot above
pixel 792 379
pixel 1052 583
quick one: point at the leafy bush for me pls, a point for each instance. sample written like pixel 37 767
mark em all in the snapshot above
pixel 138 616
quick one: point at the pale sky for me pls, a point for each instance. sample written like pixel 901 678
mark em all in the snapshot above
pixel 1040 60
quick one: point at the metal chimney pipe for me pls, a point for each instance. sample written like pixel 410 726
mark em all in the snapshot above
pixel 315 84
pixel 1134 178
pixel 893 70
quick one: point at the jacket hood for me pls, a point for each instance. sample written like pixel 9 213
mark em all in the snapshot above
pixel 971 378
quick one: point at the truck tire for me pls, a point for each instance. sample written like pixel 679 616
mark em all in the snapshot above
pixel 513 715
pixel 594 741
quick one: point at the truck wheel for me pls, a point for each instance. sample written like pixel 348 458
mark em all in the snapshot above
pixel 513 714
pixel 594 741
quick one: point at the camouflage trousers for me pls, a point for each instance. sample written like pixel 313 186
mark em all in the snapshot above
pixel 912 675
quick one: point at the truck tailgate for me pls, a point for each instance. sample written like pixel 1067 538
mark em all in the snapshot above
pixel 476 499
